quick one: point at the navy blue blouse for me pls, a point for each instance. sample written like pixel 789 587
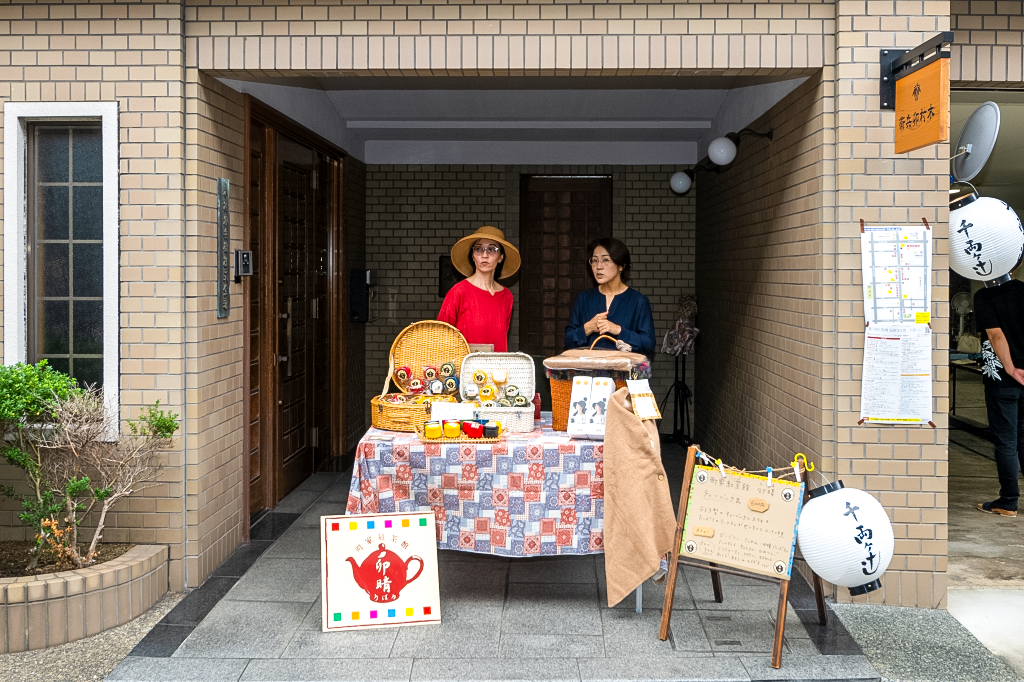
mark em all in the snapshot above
pixel 630 310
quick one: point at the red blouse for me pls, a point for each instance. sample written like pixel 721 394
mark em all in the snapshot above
pixel 479 315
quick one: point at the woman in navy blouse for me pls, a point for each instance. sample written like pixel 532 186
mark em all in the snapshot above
pixel 611 307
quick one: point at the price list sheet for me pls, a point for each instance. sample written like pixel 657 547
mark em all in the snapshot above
pixel 896 263
pixel 896 385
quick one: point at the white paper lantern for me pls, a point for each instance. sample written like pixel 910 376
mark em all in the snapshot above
pixel 722 151
pixel 846 537
pixel 986 239
pixel 680 182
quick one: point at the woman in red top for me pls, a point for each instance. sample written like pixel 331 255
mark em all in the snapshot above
pixel 478 306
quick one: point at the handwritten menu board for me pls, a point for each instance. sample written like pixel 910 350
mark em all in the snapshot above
pixel 738 520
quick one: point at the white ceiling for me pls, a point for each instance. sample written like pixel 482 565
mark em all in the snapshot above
pixel 525 120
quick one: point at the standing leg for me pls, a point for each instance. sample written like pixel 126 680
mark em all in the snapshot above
pixel 780 624
pixel 819 599
pixel 673 557
pixel 1001 403
pixel 716 584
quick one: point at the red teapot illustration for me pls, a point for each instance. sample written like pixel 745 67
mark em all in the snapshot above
pixel 384 574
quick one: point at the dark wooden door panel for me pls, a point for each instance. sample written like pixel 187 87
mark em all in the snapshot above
pixel 255 202
pixel 295 227
pixel 559 218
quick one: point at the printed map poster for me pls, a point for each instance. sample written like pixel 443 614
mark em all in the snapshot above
pixel 378 570
pixel 739 520
pixel 896 382
pixel 896 264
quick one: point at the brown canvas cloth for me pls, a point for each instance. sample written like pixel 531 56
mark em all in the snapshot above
pixel 584 358
pixel 639 522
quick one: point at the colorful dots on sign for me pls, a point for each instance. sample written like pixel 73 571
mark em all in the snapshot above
pixel 337 617
pixel 369 525
pixel 352 525
pixel 373 614
pixel 423 522
pixel 405 523
pixel 391 613
pixel 387 524
pixel 408 612
pixel 426 610
pixel 355 615
pixel 335 526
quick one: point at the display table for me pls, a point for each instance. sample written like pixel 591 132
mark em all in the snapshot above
pixel 533 494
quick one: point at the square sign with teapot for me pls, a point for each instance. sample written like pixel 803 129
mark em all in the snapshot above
pixel 379 570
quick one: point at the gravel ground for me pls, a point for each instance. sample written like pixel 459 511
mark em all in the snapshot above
pixel 91 658
pixel 921 645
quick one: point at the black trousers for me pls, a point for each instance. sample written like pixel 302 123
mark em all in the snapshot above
pixel 1005 406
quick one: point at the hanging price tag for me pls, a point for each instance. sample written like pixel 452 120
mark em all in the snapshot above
pixel 645 406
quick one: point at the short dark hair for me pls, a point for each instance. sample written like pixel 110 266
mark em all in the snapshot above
pixel 617 251
pixel 497 268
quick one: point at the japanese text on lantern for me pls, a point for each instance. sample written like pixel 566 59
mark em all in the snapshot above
pixel 922 106
pixel 863 537
pixel 974 248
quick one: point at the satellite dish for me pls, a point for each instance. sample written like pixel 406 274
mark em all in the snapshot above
pixel 961 305
pixel 976 141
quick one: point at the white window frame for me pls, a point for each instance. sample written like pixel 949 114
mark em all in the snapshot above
pixel 17 117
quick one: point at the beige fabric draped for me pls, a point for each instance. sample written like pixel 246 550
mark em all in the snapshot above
pixel 639 522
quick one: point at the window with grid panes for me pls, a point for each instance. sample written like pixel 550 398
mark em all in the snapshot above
pixel 65 249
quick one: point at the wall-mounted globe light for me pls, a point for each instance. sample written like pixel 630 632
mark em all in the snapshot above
pixel 722 151
pixel 680 182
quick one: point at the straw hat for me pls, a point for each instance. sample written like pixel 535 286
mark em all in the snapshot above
pixel 460 252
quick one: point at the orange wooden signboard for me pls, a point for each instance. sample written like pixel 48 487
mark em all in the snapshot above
pixel 922 107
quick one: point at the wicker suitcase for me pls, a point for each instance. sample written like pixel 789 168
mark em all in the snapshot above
pixel 428 342
pixel 520 370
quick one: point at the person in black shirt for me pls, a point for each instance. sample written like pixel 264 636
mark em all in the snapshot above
pixel 999 314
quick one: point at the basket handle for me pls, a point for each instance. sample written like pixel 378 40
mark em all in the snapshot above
pixel 387 379
pixel 603 336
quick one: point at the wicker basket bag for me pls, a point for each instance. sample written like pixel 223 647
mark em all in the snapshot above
pixel 421 344
pixel 619 365
pixel 520 370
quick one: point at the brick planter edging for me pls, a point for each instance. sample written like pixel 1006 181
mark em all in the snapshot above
pixel 55 608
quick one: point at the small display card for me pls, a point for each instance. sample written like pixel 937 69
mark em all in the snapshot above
pixel 644 404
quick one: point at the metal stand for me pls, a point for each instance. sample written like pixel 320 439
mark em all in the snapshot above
pixel 681 412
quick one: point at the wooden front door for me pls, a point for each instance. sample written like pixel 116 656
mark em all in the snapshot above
pixel 293 356
pixel 559 217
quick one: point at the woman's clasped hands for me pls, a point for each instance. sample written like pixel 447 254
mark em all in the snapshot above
pixel 600 324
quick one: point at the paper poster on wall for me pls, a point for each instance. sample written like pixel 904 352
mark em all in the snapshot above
pixel 379 570
pixel 896 383
pixel 896 265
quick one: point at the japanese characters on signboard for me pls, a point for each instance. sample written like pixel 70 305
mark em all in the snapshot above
pixel 379 570
pixel 922 106
pixel 742 520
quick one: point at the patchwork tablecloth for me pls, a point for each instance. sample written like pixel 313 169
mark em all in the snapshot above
pixel 541 493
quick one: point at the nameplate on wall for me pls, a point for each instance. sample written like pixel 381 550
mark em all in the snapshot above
pixel 223 247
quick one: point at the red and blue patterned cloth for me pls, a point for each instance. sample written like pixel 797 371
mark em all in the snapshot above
pixel 540 495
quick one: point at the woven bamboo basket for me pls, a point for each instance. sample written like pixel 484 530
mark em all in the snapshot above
pixel 561 390
pixel 428 342
pixel 400 416
pixel 521 374
pixel 423 343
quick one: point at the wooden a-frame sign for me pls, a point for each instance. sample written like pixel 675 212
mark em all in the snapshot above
pixel 717 569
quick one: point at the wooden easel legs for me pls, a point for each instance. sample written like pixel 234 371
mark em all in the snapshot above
pixel 716 579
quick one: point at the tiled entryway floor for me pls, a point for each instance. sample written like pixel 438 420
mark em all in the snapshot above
pixel 258 618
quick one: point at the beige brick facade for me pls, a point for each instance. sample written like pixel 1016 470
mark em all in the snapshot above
pixel 770 246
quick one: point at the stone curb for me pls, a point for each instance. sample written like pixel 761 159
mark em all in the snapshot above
pixel 56 608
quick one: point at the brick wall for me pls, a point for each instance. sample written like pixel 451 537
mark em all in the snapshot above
pixel 989 45
pixel 132 54
pixel 214 130
pixel 760 371
pixel 415 213
pixel 462 38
